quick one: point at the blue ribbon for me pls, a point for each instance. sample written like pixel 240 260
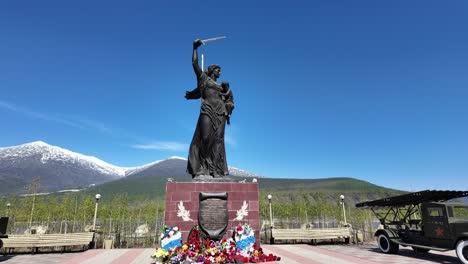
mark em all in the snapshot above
pixel 244 243
pixel 172 244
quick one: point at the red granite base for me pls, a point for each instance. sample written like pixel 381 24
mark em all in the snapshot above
pixel 188 193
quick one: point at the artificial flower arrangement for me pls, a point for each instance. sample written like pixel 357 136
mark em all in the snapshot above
pixel 198 249
pixel 244 237
pixel 171 237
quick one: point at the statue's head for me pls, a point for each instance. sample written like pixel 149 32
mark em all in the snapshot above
pixel 214 69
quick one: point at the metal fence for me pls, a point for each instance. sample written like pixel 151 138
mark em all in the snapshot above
pixel 134 233
pixel 360 231
pixel 122 233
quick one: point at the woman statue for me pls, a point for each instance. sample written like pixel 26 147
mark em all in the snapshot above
pixel 207 155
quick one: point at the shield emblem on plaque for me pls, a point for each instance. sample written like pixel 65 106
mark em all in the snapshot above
pixel 213 214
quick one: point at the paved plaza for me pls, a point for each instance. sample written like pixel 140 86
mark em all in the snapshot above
pixel 295 254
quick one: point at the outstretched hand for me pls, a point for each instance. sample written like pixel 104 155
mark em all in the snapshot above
pixel 187 95
pixel 197 43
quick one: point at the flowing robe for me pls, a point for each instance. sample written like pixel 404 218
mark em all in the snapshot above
pixel 207 154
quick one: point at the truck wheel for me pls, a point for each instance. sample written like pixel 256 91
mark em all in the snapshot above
pixel 462 250
pixel 386 245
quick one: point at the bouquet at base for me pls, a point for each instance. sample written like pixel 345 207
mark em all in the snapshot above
pixel 171 238
pixel 197 249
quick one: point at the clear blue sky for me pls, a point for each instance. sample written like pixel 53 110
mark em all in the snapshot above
pixel 375 90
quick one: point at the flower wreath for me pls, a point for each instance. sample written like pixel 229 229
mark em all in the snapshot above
pixel 244 236
pixel 171 238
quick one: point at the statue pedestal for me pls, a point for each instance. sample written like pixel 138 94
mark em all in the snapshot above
pixel 182 204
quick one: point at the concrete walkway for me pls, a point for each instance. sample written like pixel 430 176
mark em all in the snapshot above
pixel 360 254
pixel 294 254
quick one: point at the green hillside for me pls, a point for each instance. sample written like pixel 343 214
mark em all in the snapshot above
pixel 327 184
pixel 286 190
pixel 137 188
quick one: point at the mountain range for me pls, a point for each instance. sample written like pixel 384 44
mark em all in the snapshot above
pixel 60 169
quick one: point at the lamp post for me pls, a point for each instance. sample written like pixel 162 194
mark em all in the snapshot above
pixel 98 196
pixel 271 220
pixel 344 211
pixel 8 209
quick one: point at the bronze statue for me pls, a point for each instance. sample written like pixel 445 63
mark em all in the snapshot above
pixel 207 155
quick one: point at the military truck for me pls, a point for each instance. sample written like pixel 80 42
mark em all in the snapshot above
pixel 424 220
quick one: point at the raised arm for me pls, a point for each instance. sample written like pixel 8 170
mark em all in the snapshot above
pixel 196 67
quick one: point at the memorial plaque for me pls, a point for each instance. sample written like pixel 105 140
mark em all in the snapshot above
pixel 213 214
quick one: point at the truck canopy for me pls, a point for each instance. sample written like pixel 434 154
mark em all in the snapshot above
pixel 413 199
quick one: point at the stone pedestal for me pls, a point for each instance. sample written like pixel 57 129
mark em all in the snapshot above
pixel 182 202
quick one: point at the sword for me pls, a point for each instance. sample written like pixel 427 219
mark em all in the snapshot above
pixel 204 41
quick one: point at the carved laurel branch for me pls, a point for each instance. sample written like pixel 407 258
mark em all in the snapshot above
pixel 184 214
pixel 242 212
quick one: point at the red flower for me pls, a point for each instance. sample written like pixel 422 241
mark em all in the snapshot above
pixel 240 257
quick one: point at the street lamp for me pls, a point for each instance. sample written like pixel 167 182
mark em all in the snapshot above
pixel 98 196
pixel 271 220
pixel 8 209
pixel 344 211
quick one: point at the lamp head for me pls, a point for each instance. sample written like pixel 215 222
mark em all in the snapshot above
pixel 8 205
pixel 269 197
pixel 98 196
pixel 342 197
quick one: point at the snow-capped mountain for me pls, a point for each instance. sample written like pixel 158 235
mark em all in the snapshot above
pixel 233 171
pixel 57 168
pixel 49 153
pixel 158 164
pixel 60 168
pixel 175 167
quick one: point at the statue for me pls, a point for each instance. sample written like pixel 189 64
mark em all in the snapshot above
pixel 207 155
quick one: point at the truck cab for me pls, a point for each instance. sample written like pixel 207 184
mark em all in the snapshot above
pixel 435 224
